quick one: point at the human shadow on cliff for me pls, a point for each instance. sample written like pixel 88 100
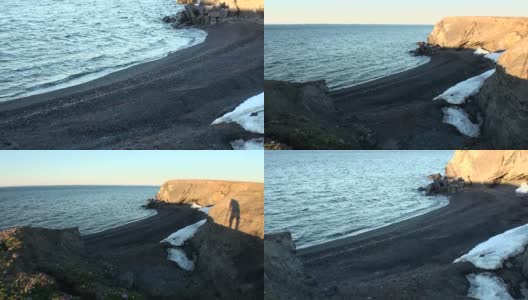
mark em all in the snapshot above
pixel 394 112
pixel 234 213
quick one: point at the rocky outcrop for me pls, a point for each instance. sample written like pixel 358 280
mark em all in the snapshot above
pixel 238 205
pixel 211 12
pixel 443 185
pixel 490 33
pixel 504 100
pixel 230 261
pixel 489 167
pixel 284 276
pixel 303 116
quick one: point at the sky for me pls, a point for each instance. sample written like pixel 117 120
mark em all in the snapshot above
pixel 385 11
pixel 35 168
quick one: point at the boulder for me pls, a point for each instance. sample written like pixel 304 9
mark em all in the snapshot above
pixel 230 261
pixel 489 167
pixel 284 276
pixel 238 205
pixel 490 33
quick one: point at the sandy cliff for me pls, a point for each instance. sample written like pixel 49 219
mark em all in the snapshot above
pixel 491 33
pixel 490 166
pixel 248 197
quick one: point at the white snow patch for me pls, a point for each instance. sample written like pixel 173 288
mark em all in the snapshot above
pixel 494 56
pixel 253 144
pixel 492 253
pixel 179 237
pixel 205 209
pixel 179 257
pixel 460 119
pixel 523 189
pixel 242 115
pixel 481 51
pixel 486 286
pixel 194 205
pixel 459 93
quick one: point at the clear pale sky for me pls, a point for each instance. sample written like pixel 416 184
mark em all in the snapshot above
pixel 385 11
pixel 126 167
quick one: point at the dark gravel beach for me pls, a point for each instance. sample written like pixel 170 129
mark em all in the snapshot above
pixel 164 104
pixel 400 108
pixel 413 259
pixel 394 112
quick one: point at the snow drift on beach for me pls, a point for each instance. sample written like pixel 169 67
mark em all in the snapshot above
pixel 244 115
pixel 486 286
pixel 253 144
pixel 490 254
pixel 459 118
pixel 459 93
pixel 523 189
pixel 179 257
pixel 179 237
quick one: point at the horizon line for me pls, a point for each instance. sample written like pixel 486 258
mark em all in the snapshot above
pixel 403 24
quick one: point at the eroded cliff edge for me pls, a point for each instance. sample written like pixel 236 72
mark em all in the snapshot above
pixel 490 167
pixel 503 99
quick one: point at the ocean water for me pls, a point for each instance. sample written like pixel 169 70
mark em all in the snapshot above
pixel 51 44
pixel 91 208
pixel 325 195
pixel 344 55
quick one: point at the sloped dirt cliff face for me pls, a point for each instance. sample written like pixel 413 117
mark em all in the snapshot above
pixel 238 205
pixel 489 166
pixel 491 33
pixel 39 263
pixel 504 100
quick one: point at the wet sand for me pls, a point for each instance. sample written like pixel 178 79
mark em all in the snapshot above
pixel 413 259
pixel 400 108
pixel 164 104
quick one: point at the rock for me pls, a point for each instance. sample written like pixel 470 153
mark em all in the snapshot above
pixel 490 33
pixel 489 167
pixel 435 176
pixel 236 204
pixel 284 276
pixel 229 260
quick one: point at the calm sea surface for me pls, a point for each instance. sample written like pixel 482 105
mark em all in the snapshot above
pixel 51 44
pixel 326 195
pixel 91 208
pixel 344 55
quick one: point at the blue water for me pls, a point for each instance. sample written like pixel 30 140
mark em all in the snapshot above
pixel 51 44
pixel 344 55
pixel 326 195
pixel 91 208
